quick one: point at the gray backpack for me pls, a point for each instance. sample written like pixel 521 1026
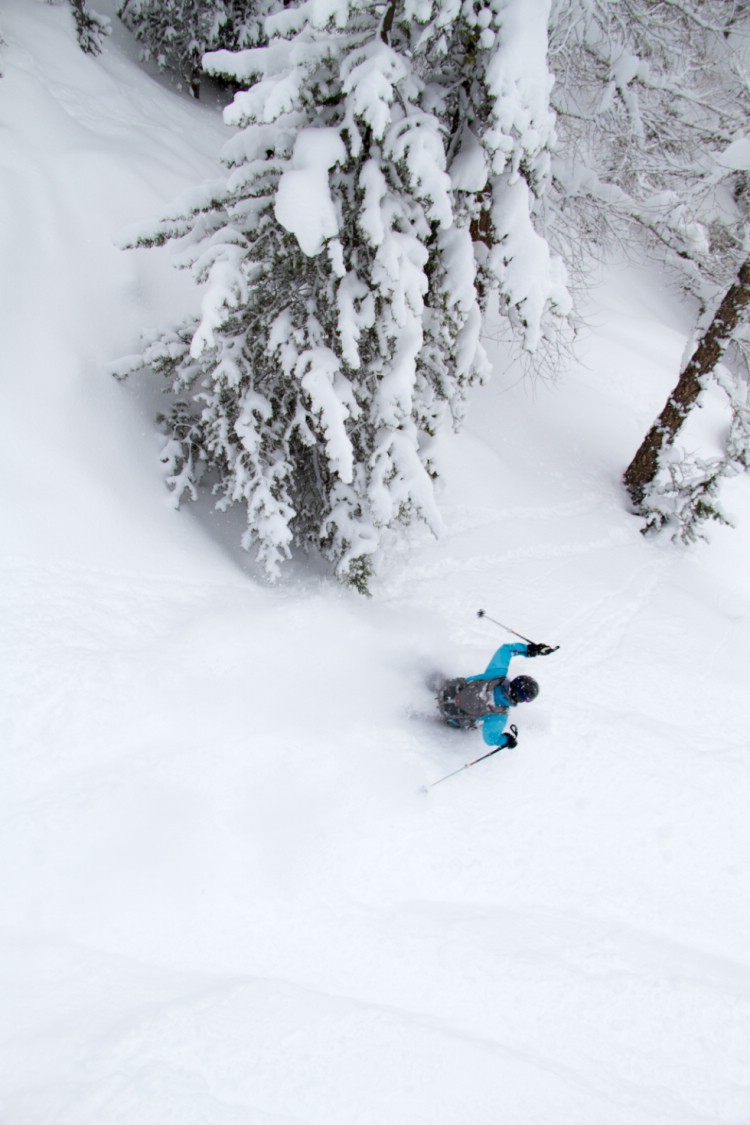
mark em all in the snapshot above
pixel 477 697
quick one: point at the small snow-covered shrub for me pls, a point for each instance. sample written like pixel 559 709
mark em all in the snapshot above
pixel 91 27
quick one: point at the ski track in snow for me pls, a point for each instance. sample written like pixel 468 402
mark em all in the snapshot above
pixel 223 897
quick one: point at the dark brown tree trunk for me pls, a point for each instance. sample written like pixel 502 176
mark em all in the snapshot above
pixel 481 225
pixel 644 466
pixel 387 25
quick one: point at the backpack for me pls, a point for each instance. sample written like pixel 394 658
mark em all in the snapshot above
pixel 477 697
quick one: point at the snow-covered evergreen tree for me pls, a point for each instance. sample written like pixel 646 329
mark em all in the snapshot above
pixel 382 183
pixel 486 78
pixel 176 33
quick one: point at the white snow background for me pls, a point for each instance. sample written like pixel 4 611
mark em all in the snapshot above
pixel 223 900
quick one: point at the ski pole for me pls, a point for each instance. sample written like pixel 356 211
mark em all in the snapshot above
pixel 468 764
pixel 481 613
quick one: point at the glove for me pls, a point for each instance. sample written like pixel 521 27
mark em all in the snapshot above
pixel 539 650
pixel 511 740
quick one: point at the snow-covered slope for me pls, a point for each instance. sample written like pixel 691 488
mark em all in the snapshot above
pixel 222 898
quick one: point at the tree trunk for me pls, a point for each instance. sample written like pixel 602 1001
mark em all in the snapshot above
pixel 644 466
pixel 481 225
pixel 387 25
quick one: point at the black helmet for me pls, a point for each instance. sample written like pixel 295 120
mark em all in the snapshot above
pixel 523 689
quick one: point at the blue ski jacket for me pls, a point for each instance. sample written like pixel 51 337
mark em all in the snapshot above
pixel 494 725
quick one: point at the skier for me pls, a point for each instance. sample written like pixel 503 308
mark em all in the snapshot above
pixel 487 698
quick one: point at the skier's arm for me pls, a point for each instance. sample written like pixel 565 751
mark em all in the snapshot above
pixel 498 666
pixel 492 729
pixel 494 734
